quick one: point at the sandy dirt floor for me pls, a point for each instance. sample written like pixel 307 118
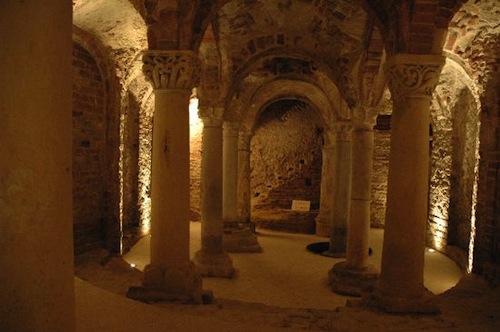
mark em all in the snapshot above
pixel 284 287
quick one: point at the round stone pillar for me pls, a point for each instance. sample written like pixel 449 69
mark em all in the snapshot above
pixel 355 275
pixel 230 173
pixel 341 198
pixel 324 217
pixel 212 260
pixel 170 275
pixel 244 204
pixel 240 236
pixel 411 79
pixel 36 244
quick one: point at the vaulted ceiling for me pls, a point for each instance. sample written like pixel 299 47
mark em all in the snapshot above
pixel 337 46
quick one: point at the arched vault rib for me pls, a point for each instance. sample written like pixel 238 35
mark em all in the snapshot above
pixel 310 66
pixel 288 89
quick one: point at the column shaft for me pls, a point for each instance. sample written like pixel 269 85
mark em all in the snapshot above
pixel 359 224
pixel 323 220
pixel 212 260
pixel 404 237
pixel 230 173
pixel 36 246
pixel 244 204
pixel 354 275
pixel 411 78
pixel 341 191
pixel 170 179
pixel 240 236
pixel 170 275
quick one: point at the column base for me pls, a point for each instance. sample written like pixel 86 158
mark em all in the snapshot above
pixel 182 283
pixel 214 264
pixel 347 281
pixel 423 305
pixel 323 227
pixel 239 238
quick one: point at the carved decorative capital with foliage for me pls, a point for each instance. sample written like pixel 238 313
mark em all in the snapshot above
pixel 171 70
pixel 411 75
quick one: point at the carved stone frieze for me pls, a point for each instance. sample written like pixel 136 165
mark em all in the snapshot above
pixel 171 69
pixel 413 75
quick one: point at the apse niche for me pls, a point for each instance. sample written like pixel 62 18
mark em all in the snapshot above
pixel 286 166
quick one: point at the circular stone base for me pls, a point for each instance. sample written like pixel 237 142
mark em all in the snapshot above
pixel 347 281
pixel 214 264
pixel 236 240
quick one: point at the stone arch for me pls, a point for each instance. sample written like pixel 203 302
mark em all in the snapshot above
pixel 307 67
pixel 327 113
pixel 286 88
pixel 417 27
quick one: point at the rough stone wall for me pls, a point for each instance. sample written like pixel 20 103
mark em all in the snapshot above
pixel 381 152
pixel 286 157
pixel 89 152
pixel 453 159
pixel 487 248
pixel 462 171
pixel 195 136
pixel 130 168
pixel 145 149
pixel 439 178
pixel 473 37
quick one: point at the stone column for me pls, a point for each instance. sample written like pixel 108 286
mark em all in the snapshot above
pixel 411 79
pixel 212 260
pixel 341 197
pixel 230 173
pixel 240 236
pixel 355 275
pixel 324 217
pixel 170 275
pixel 244 190
pixel 36 244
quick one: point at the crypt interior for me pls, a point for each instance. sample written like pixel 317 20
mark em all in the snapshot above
pixel 168 165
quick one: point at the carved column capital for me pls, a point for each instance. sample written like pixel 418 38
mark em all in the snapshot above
pixel 172 70
pixel 211 115
pixel 342 131
pixel 364 118
pixel 231 128
pixel 412 75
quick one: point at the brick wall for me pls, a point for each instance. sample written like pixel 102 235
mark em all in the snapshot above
pixel 89 158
